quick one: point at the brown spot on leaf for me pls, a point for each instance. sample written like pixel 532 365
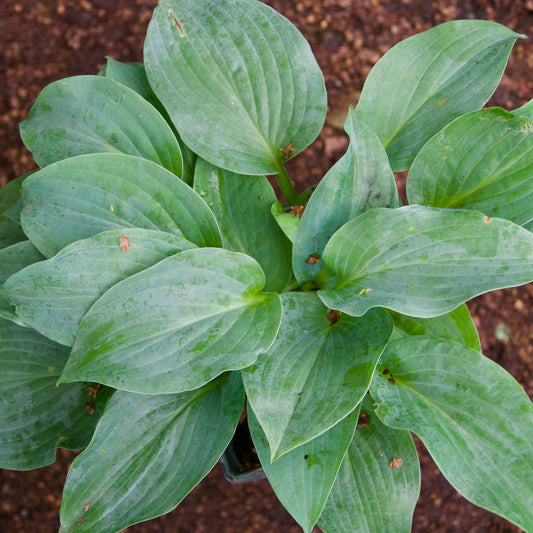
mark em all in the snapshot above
pixel 333 316
pixel 487 220
pixel 93 390
pixel 124 243
pixel 363 420
pixel 287 151
pixel 395 463
pixel 312 259
pixel 364 291
pixel 89 407
pixel 176 22
pixel 297 210
pixel 87 505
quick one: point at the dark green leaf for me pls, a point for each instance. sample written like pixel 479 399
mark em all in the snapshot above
pixel 483 161
pixel 238 80
pixel 52 296
pixel 362 179
pixel 10 205
pixel 177 325
pixel 83 196
pixel 424 261
pixel 319 369
pixel 473 417
pixel 242 207
pixel 147 453
pixel 426 81
pixel 93 114
pixel 378 483
pixel 37 416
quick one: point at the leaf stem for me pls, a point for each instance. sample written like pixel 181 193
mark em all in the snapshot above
pixel 286 186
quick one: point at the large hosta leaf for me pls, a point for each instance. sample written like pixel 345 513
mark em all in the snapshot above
pixel 426 81
pixel 52 296
pixel 12 259
pixel 482 160
pixel 302 478
pixel 238 80
pixel 37 416
pixel 79 197
pixel 473 417
pixel 423 261
pixel 378 483
pixel 242 207
pixel 319 368
pixel 360 180
pixel 177 325
pixel 93 114
pixel 147 453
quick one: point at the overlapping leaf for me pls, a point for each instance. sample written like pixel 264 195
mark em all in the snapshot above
pixel 37 416
pixel 360 180
pixel 302 478
pixel 10 230
pixel 483 161
pixel 93 114
pixel 423 261
pixel 473 417
pixel 99 192
pixel 318 369
pixel 378 483
pixel 238 80
pixel 456 326
pixel 52 296
pixel 12 259
pixel 127 476
pixel 426 81
pixel 177 325
pixel 242 207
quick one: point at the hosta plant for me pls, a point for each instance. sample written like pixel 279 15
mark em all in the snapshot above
pixel 152 283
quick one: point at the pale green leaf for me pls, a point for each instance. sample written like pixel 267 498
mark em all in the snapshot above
pixel 94 114
pixel 429 79
pixel 238 80
pixel 525 111
pixel 242 207
pixel 302 478
pixel 147 453
pixel 378 484
pixel 80 197
pixel 319 368
pixel 424 261
pixel 286 221
pixel 37 416
pixel 177 325
pixel 475 420
pixel 362 179
pixel 52 296
pixel 483 161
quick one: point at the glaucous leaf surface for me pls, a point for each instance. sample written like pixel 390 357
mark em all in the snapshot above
pixel 424 261
pixel 302 478
pixel 242 207
pixel 52 296
pixel 378 483
pixel 483 161
pixel 475 420
pixel 238 80
pixel 133 75
pixel 126 476
pixel 36 415
pixel 315 371
pixel 99 192
pixel 456 326
pixel 93 114
pixel 10 230
pixel 525 111
pixel 177 325
pixel 12 259
pixel 429 79
pixel 362 179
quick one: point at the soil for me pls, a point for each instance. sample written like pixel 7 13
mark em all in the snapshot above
pixel 41 41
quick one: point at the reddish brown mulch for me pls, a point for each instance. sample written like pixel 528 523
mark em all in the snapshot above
pixel 43 40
